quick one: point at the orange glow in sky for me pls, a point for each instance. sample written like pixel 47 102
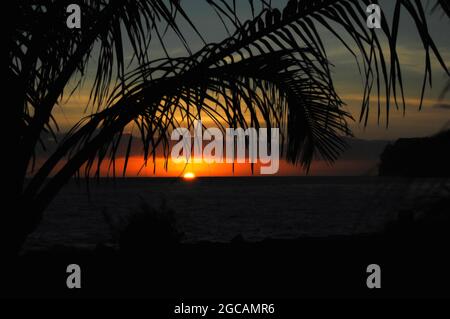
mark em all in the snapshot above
pixel 195 170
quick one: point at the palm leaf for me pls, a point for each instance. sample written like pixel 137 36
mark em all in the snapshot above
pixel 274 65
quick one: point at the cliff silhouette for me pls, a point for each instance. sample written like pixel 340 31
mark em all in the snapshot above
pixel 417 157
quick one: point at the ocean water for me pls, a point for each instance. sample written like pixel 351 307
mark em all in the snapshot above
pixel 218 209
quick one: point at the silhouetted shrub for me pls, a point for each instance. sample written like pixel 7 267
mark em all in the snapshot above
pixel 430 220
pixel 146 229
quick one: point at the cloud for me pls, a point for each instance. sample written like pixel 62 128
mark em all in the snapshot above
pixel 442 106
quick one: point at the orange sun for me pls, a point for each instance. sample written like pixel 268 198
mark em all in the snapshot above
pixel 189 176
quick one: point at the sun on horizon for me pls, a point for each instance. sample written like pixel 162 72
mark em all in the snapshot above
pixel 189 176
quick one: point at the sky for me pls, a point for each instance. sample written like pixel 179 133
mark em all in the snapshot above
pixel 434 115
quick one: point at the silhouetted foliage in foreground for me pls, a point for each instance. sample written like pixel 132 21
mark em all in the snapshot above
pixel 426 221
pixel 145 229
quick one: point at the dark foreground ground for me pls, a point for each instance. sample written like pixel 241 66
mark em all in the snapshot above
pixel 269 270
pixel 412 253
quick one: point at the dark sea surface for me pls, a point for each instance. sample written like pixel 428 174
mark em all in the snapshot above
pixel 218 209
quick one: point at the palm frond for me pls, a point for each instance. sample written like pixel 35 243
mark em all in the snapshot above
pixel 275 66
